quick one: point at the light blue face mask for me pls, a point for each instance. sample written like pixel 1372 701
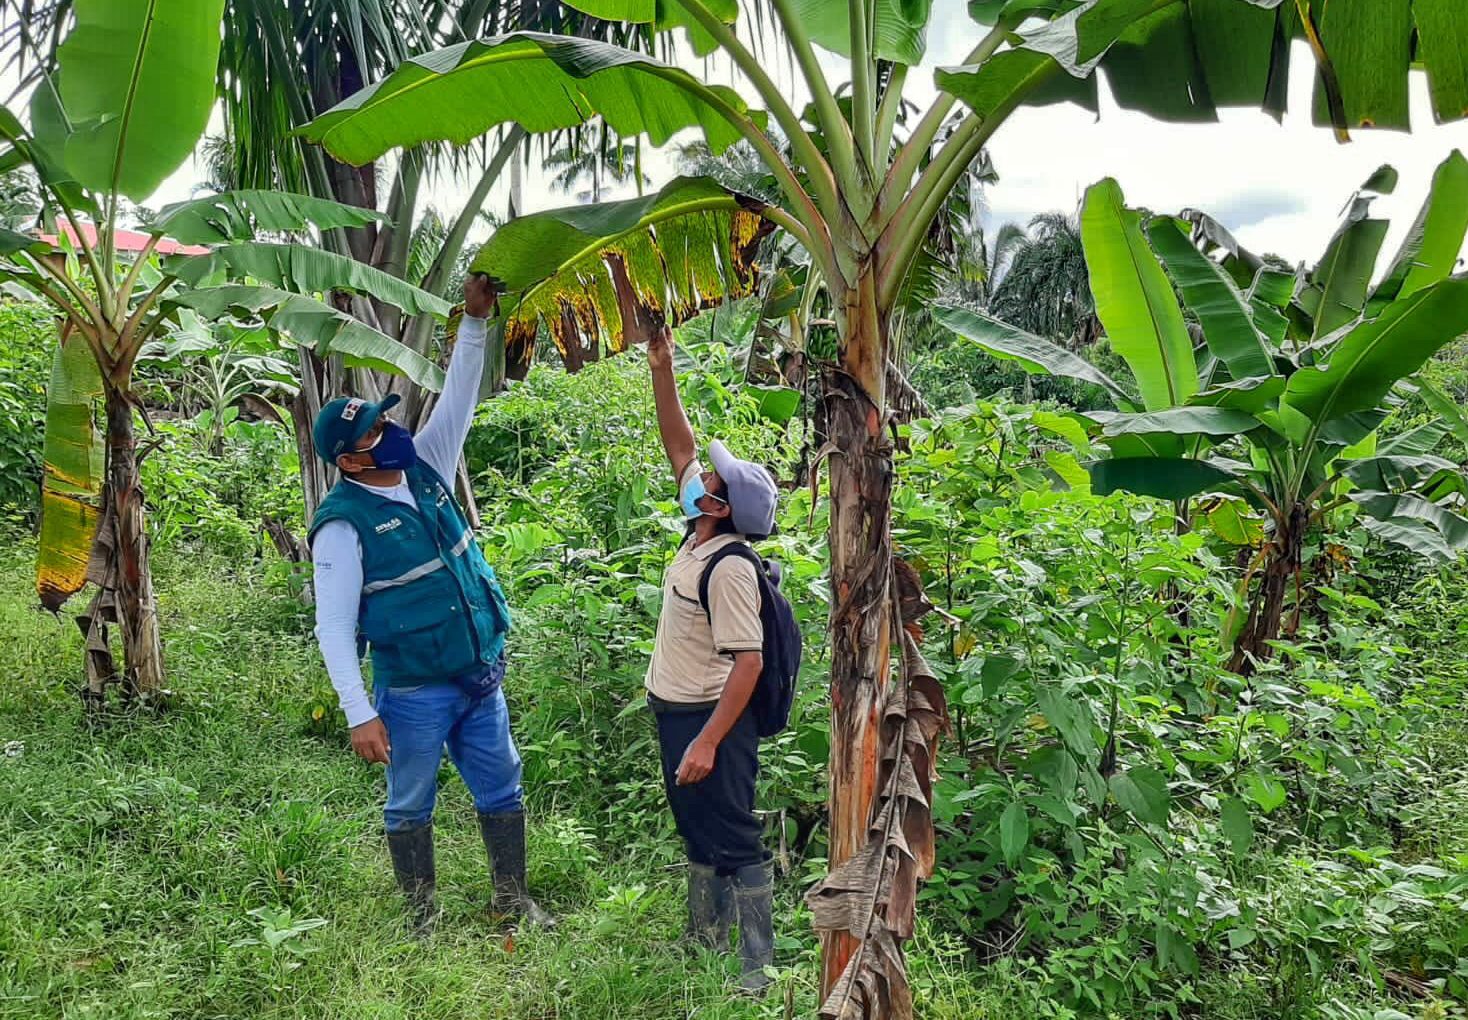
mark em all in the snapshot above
pixel 692 493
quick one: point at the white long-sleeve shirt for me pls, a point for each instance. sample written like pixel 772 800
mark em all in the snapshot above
pixel 336 551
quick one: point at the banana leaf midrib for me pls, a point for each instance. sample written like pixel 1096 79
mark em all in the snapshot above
pixel 1366 352
pixel 534 52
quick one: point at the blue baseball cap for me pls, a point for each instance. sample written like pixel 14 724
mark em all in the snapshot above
pixel 750 491
pixel 341 423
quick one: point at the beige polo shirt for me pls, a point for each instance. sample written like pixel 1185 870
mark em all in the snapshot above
pixel 693 654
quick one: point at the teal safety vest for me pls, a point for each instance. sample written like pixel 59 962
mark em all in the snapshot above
pixel 431 607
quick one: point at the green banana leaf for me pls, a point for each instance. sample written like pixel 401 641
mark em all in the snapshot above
pixel 1254 394
pixel 1171 60
pixel 901 27
pixel 74 458
pixel 1170 478
pixel 1054 62
pixel 303 270
pixel 688 247
pixel 1371 39
pixel 243 215
pixel 136 80
pixel 663 15
pixel 1415 536
pixel 1450 410
pixel 1442 39
pixel 1228 325
pixel 1374 355
pixel 314 324
pixel 1270 292
pixel 1135 299
pixel 1388 473
pixel 1431 248
pixel 1034 354
pixel 1396 507
pixel 1335 292
pixel 1233 521
pixel 542 82
pixel 1219 422
pixel 1415 442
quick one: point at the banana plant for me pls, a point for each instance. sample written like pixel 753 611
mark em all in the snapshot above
pixel 1280 405
pixel 221 366
pixel 131 95
pixel 862 208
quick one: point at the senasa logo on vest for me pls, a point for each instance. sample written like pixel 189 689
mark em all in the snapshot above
pixel 386 526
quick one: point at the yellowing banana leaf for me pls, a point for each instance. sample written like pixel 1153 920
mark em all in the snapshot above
pixel 686 248
pixel 75 460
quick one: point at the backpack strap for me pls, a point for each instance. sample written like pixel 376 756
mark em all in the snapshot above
pixel 741 549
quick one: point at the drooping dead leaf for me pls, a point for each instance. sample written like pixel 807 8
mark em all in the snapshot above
pixel 872 896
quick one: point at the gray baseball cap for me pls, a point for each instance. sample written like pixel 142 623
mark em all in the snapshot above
pixel 749 488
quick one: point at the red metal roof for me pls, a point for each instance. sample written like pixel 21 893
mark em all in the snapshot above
pixel 127 240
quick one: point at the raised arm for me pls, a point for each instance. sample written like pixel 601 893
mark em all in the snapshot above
pixel 441 439
pixel 640 326
pixel 673 424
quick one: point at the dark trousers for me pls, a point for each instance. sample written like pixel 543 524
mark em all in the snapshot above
pixel 715 817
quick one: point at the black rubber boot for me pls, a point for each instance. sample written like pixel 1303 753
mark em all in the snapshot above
pixel 412 863
pixel 504 839
pixel 754 888
pixel 710 908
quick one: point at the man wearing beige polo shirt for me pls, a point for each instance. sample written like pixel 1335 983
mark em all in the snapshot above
pixel 705 664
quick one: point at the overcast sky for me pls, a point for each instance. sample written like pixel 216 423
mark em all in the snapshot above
pixel 1280 187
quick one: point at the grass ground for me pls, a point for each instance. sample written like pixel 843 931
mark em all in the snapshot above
pixel 221 861
pixel 224 860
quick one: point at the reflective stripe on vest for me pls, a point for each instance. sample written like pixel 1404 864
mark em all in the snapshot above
pixel 462 544
pixel 406 577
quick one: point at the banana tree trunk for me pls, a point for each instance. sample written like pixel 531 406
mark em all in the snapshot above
pixel 861 472
pixel 131 577
pixel 1280 570
pixel 887 707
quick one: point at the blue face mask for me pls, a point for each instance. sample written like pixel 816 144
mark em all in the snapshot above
pixel 394 449
pixel 692 493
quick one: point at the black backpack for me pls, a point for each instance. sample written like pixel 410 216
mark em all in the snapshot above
pixel 775 691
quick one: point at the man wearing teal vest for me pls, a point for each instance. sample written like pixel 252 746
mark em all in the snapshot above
pixel 397 569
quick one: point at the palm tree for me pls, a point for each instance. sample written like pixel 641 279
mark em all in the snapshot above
pixel 574 161
pixel 20 202
pixel 1042 284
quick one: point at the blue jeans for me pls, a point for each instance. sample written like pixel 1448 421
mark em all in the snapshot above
pixel 420 722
